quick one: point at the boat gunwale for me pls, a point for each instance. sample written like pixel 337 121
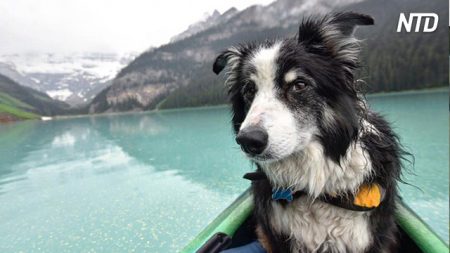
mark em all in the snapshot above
pixel 229 220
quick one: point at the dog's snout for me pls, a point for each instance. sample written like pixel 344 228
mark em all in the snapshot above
pixel 253 140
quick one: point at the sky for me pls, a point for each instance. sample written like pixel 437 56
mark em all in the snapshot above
pixel 119 26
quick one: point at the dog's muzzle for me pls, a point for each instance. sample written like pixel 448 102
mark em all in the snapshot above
pixel 253 140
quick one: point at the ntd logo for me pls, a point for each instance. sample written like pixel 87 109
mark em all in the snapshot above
pixel 408 23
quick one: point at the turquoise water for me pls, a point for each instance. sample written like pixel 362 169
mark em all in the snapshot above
pixel 149 182
pixel 422 121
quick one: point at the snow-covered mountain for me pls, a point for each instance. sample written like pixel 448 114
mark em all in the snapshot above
pixel 72 78
pixel 10 70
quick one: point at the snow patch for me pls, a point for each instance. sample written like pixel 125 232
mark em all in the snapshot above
pixel 62 94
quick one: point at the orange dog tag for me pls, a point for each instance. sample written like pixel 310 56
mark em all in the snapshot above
pixel 369 196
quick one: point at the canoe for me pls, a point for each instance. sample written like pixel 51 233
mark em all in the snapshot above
pixel 233 228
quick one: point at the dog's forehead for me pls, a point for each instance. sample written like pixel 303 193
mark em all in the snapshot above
pixel 265 55
pixel 262 64
pixel 266 64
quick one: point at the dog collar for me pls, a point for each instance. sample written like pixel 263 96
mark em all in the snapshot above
pixel 369 196
pixel 286 194
pixel 278 194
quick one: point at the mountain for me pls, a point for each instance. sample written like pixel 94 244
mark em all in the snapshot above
pixel 19 102
pixel 10 70
pixel 399 61
pixel 156 73
pixel 211 20
pixel 179 74
pixel 72 78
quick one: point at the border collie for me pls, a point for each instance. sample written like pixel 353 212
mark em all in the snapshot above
pixel 300 115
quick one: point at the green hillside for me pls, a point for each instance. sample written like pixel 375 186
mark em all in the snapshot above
pixel 18 102
pixel 10 113
pixel 14 109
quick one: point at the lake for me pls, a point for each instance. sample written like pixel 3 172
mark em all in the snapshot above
pixel 149 182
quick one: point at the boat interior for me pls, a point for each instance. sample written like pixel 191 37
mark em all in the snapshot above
pixel 245 234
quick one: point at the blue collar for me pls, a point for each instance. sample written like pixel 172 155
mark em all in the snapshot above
pixel 283 194
pixel 279 194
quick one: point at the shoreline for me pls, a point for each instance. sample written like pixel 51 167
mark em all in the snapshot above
pixel 203 107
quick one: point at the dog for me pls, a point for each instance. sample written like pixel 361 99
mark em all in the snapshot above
pixel 327 166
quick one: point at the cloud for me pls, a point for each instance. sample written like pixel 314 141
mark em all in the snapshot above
pixel 65 26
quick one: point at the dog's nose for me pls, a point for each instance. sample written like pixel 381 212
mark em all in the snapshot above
pixel 253 140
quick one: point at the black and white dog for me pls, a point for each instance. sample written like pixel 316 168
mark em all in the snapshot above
pixel 300 116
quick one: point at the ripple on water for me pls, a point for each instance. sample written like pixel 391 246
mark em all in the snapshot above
pixel 150 182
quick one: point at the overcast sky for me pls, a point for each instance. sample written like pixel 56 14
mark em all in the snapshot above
pixel 66 26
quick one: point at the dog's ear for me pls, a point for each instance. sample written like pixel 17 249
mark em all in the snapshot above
pixel 333 36
pixel 309 32
pixel 346 22
pixel 220 63
pixel 343 24
pixel 227 57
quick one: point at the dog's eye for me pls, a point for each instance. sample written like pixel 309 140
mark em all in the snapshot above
pixel 249 90
pixel 298 86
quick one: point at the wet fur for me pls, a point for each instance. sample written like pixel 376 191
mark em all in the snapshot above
pixel 351 144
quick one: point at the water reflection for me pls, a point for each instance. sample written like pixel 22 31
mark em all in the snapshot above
pixel 198 145
pixel 194 144
pixel 113 183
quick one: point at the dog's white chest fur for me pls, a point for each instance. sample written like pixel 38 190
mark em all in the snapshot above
pixel 315 225
pixel 320 227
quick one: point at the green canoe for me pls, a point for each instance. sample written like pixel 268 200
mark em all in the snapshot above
pixel 416 236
